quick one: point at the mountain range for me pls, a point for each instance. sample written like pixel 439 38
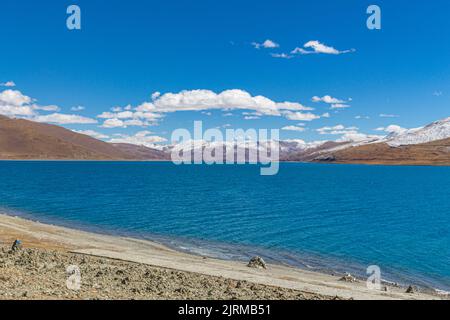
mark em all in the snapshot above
pixel 430 145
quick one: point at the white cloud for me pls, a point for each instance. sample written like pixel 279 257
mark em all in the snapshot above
pixel 77 108
pixel 46 108
pixel 393 128
pixel 92 133
pixel 339 106
pixel 113 123
pixel 326 115
pixel 8 84
pixel 383 115
pixel 268 44
pixel 251 118
pixel 327 99
pixel 315 47
pixel 334 102
pixel 142 138
pixel 139 117
pixel 347 134
pixel 156 95
pixel 358 137
pixel 134 122
pixel 281 55
pixel 14 103
pixel 362 117
pixel 293 128
pixel 437 93
pixel 201 100
pixel 299 116
pixel 14 97
pixel 118 115
pixel 12 111
pixel 337 130
pixel 59 118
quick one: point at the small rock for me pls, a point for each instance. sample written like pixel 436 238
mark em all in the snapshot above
pixel 348 278
pixel 17 245
pixel 257 262
pixel 411 289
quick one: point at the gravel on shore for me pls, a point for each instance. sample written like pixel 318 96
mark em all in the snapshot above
pixel 42 274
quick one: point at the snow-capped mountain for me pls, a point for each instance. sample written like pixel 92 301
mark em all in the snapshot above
pixel 438 130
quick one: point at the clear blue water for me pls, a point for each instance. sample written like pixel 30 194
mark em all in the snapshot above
pixel 325 217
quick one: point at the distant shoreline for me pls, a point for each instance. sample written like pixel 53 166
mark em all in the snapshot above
pixel 386 164
pixel 48 237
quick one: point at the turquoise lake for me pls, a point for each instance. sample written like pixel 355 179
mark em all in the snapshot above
pixel 336 218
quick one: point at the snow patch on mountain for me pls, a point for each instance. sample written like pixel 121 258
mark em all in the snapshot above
pixel 438 130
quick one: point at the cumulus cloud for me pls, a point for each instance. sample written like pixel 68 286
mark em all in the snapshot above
pixel 142 138
pixel 46 108
pixel 13 103
pixel 14 97
pixel 268 44
pixel 77 108
pixel 294 128
pixel 316 47
pixel 59 118
pixel 299 116
pixel 122 118
pixel 92 133
pixel 327 99
pixel 118 115
pixel 358 137
pixel 8 84
pixel 337 130
pixel 348 134
pixel 334 103
pixel 113 123
pixel 202 100
pixel 393 128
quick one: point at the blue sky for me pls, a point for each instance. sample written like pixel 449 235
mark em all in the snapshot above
pixel 127 50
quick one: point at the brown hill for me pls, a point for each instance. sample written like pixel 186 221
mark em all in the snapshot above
pixel 23 139
pixel 432 153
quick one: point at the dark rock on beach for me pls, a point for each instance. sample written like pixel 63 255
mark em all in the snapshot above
pixel 257 262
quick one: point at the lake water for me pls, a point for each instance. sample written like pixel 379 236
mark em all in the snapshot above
pixel 318 216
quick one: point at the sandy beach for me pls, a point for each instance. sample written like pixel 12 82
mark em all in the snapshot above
pixel 124 268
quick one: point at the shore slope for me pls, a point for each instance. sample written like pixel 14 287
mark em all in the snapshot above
pixel 125 268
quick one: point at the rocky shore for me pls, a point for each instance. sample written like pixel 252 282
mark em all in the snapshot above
pixel 42 274
pixel 52 262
